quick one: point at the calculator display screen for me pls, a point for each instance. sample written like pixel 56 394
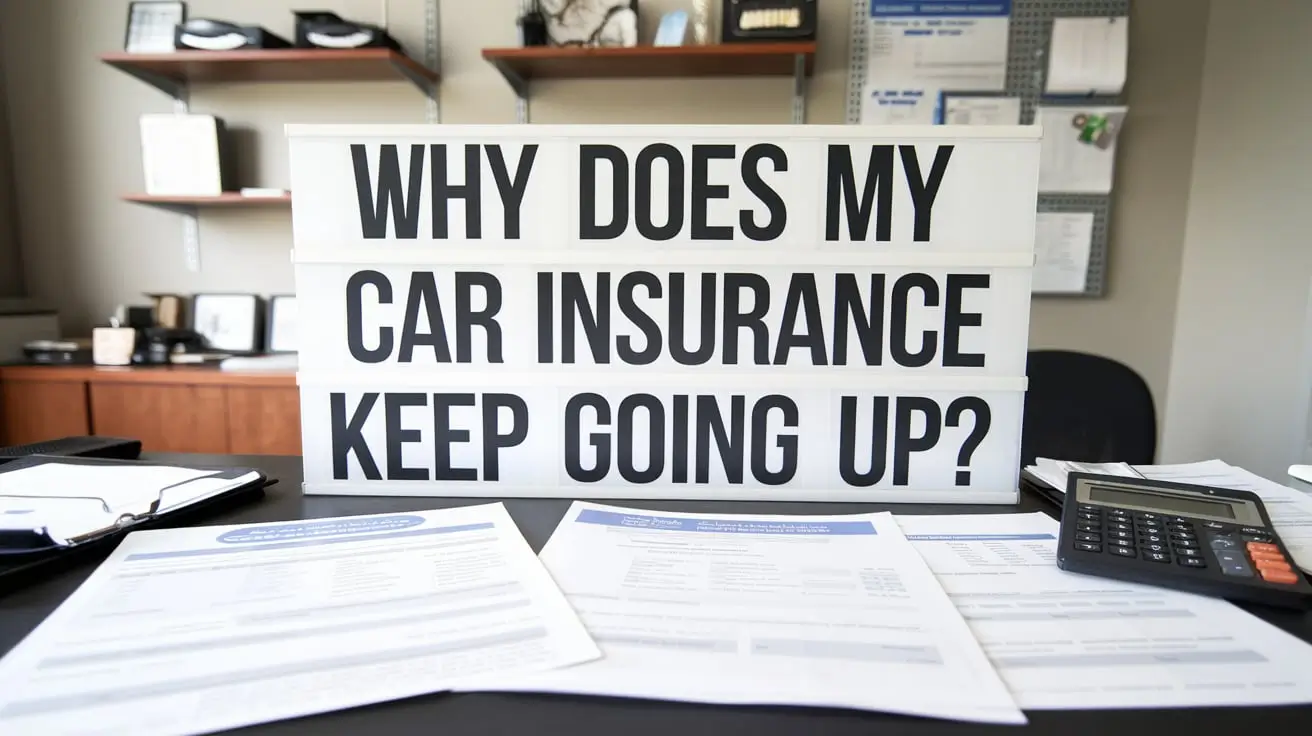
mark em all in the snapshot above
pixel 1165 503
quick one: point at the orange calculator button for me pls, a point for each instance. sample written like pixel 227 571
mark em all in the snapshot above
pixel 1272 564
pixel 1263 547
pixel 1279 576
pixel 1277 557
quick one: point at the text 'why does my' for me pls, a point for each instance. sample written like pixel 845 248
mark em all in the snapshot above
pixel 658 193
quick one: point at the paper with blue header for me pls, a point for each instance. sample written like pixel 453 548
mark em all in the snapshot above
pixel 834 611
pixel 187 631
pixel 1062 640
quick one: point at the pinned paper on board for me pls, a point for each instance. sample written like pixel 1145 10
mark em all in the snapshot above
pixel 962 45
pixel 1088 56
pixel 918 49
pixel 1078 155
pixel 897 106
pixel 1062 243
pixel 968 110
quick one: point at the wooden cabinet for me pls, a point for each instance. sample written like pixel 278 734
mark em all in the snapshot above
pixel 165 418
pixel 263 420
pixel 36 410
pixel 170 409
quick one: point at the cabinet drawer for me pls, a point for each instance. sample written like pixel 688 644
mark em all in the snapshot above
pixel 264 421
pixel 166 418
pixel 35 411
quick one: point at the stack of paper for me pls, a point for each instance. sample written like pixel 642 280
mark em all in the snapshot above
pixel 199 630
pixel 1290 510
pixel 1054 472
pixel 811 610
pixel 959 617
pixel 789 610
pixel 1067 641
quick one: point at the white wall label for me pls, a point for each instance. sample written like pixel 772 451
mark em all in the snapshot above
pixel 801 312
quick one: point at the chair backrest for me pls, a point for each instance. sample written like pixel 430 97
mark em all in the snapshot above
pixel 1086 408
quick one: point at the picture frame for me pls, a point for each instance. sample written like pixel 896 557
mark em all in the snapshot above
pixel 281 330
pixel 230 323
pixel 150 24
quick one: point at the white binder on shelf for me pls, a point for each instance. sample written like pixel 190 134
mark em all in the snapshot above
pixel 183 155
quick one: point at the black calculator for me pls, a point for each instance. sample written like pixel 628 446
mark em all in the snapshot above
pixel 1212 541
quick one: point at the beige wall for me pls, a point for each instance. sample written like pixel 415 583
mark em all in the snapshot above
pixel 1135 323
pixel 77 148
pixel 1240 373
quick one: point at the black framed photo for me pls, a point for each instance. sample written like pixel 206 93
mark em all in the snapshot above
pixel 230 323
pixel 150 25
pixel 281 330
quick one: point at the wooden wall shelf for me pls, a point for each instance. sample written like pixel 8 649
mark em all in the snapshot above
pixel 520 66
pixel 173 72
pixel 718 60
pixel 227 200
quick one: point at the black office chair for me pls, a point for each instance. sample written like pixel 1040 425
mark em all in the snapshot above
pixel 1086 408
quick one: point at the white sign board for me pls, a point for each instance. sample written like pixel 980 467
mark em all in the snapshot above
pixel 781 312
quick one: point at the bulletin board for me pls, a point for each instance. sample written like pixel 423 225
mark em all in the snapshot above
pixel 1027 63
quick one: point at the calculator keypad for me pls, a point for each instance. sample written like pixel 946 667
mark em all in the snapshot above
pixel 1239 551
pixel 1248 552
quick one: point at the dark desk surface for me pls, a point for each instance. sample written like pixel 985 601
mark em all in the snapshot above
pixel 584 716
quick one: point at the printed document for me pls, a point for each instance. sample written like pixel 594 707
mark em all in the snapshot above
pixel 834 611
pixel 1062 245
pixel 881 105
pixel 1290 510
pixel 962 48
pixel 209 628
pixel 963 110
pixel 918 49
pixel 1088 56
pixel 1066 641
pixel 1078 152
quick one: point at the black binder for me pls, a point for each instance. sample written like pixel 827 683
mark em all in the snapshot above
pixel 1039 487
pixel 28 556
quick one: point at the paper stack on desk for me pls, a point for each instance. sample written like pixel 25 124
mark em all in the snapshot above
pixel 203 629
pixel 835 611
pixel 1067 641
pixel 810 611
pixel 957 617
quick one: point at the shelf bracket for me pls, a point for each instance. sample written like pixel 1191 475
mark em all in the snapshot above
pixel 428 88
pixel 191 239
pixel 175 88
pixel 432 57
pixel 521 108
pixel 190 214
pixel 190 231
pixel 519 85
pixel 799 89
